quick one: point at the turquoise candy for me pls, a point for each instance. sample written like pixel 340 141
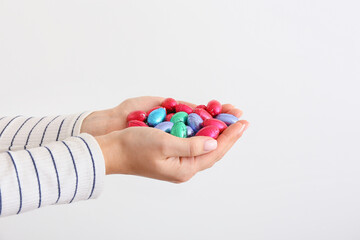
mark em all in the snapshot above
pixel 156 117
pixel 179 130
pixel 180 117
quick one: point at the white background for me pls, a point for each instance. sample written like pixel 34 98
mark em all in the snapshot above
pixel 292 66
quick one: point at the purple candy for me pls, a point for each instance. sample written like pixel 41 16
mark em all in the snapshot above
pixel 228 119
pixel 190 131
pixel 165 126
pixel 195 121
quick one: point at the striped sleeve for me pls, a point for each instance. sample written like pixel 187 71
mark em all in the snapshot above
pixel 59 172
pixel 20 132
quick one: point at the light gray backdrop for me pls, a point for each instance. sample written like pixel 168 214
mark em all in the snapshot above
pixel 292 66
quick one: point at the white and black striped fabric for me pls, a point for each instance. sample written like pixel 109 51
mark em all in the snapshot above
pixel 45 161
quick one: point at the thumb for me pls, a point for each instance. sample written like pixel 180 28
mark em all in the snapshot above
pixel 189 147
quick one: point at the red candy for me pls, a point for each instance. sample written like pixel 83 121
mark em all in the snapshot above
pixel 154 108
pixel 183 108
pixel 136 115
pixel 169 116
pixel 214 107
pixel 215 122
pixel 136 123
pixel 202 113
pixel 201 106
pixel 169 104
pixel 209 131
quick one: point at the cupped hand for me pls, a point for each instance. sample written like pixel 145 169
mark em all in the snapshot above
pixel 152 153
pixel 105 121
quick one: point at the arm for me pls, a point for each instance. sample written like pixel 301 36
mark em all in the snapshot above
pixel 21 132
pixel 59 172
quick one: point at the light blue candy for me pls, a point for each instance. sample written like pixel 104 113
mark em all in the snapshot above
pixel 165 126
pixel 195 122
pixel 156 117
pixel 228 119
pixel 190 131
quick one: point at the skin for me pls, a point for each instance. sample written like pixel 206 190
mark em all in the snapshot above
pixel 162 156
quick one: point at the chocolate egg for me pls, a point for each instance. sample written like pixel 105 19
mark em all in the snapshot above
pixel 201 106
pixel 156 116
pixel 179 130
pixel 165 126
pixel 169 104
pixel 214 107
pixel 136 123
pixel 154 108
pixel 169 116
pixel 183 108
pixel 190 131
pixel 194 121
pixel 216 122
pixel 202 113
pixel 136 115
pixel 179 117
pixel 209 131
pixel 228 119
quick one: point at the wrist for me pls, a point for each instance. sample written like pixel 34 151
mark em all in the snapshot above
pixel 96 123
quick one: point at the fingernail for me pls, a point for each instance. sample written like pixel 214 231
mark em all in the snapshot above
pixel 242 127
pixel 210 145
pixel 247 126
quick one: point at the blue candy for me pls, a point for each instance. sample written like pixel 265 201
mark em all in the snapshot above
pixel 190 131
pixel 228 119
pixel 194 121
pixel 165 126
pixel 156 117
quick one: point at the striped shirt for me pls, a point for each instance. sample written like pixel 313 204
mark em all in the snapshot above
pixel 45 161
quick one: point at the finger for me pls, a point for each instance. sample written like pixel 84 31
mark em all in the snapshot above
pixel 149 102
pixel 236 112
pixel 230 109
pixel 188 147
pixel 225 141
pixel 227 107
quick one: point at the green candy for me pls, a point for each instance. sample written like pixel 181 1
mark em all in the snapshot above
pixel 179 130
pixel 179 117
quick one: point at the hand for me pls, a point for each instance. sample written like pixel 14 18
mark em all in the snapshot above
pixel 152 153
pixel 105 121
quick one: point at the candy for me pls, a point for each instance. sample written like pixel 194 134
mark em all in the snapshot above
pixel 165 126
pixel 190 131
pixel 169 104
pixel 202 113
pixel 215 122
pixel 136 115
pixel 179 130
pixel 182 120
pixel 169 116
pixel 156 116
pixel 194 121
pixel 201 106
pixel 209 131
pixel 214 107
pixel 183 108
pixel 154 108
pixel 179 117
pixel 136 123
pixel 227 118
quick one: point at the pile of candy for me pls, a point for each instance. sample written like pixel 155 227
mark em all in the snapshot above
pixel 183 121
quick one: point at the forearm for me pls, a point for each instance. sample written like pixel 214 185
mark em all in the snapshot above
pixel 59 172
pixel 22 132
